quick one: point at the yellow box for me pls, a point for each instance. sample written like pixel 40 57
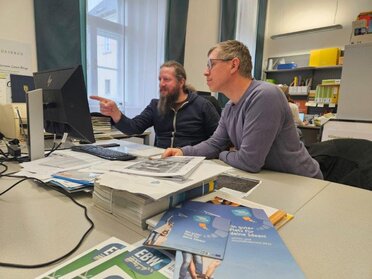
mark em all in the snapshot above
pixel 324 57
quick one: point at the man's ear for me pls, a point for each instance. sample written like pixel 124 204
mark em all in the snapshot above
pixel 183 82
pixel 235 64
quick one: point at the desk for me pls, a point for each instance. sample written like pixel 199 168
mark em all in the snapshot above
pixel 33 218
pixel 330 236
pixel 282 190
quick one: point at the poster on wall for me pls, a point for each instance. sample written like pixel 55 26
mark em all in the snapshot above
pixel 15 58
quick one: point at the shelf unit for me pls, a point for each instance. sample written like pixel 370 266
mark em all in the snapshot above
pixel 316 73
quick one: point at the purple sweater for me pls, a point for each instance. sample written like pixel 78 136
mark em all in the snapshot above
pixel 261 128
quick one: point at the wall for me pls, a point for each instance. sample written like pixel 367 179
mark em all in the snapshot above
pixel 16 19
pixel 17 24
pixel 202 34
pixel 285 16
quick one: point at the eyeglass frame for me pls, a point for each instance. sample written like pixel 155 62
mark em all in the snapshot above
pixel 210 60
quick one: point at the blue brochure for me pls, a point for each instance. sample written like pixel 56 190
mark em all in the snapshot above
pixel 254 248
pixel 191 231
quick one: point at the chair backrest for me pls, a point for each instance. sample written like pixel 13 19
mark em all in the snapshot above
pixel 212 99
pixel 346 161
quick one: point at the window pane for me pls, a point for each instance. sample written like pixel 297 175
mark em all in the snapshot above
pixel 125 48
pixel 107 52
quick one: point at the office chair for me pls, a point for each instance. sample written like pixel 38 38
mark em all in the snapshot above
pixel 346 161
pixel 212 99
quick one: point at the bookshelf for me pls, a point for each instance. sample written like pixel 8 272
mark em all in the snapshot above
pixel 316 74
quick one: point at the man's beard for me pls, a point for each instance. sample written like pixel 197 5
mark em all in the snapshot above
pixel 168 101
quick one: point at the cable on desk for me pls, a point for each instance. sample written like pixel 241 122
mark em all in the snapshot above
pixel 60 190
pixel 5 168
pixel 54 148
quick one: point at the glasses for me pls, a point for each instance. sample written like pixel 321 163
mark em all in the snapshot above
pixel 210 63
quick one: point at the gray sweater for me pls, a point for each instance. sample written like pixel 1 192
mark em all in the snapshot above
pixel 261 128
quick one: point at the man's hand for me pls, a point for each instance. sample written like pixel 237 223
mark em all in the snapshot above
pixel 172 152
pixel 108 107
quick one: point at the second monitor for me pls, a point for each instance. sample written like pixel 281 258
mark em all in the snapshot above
pixel 65 103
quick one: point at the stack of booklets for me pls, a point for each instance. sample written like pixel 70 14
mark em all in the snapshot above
pixel 101 124
pixel 137 208
pixel 114 258
pixel 135 198
pixel 243 244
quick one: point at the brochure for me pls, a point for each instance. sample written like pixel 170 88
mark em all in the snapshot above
pixel 90 256
pixel 176 167
pixel 191 231
pixel 277 217
pixel 77 176
pixel 254 248
pixel 69 186
pixel 136 261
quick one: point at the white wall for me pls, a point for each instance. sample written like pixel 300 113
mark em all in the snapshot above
pixel 17 24
pixel 284 16
pixel 202 33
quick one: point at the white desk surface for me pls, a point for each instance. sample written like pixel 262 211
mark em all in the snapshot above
pixel 282 190
pixel 38 224
pixel 330 236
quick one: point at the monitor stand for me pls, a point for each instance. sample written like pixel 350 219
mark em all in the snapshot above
pixel 35 139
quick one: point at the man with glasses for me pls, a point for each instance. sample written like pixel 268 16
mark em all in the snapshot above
pixel 179 117
pixel 257 120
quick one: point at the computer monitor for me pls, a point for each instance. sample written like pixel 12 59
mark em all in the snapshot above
pixel 65 103
pixel 302 116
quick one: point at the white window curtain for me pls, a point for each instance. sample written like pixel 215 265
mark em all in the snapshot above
pixel 125 48
pixel 246 25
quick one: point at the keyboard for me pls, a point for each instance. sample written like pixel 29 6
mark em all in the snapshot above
pixel 104 153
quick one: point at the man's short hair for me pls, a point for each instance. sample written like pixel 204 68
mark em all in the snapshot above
pixel 231 49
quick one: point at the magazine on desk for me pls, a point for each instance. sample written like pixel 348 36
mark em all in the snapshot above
pixel 191 231
pixel 135 261
pixel 98 252
pixel 254 248
pixel 176 167
pixel 276 216
pixel 78 176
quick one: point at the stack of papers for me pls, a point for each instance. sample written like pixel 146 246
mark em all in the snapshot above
pixel 134 198
pixel 101 124
pixel 137 208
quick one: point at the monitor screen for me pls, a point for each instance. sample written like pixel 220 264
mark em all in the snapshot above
pixel 65 103
pixel 302 116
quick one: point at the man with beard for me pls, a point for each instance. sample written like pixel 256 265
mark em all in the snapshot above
pixel 179 116
pixel 257 120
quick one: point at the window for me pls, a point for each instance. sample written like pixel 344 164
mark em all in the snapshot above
pixel 107 87
pixel 125 48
